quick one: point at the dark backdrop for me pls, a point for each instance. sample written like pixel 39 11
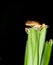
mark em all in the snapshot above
pixel 12 33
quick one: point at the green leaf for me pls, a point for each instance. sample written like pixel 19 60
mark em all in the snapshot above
pixel 36 49
pixel 47 53
pixel 41 42
pixel 31 54
pixel 35 52
pixel 28 56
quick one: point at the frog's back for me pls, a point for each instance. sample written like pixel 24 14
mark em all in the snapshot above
pixel 32 23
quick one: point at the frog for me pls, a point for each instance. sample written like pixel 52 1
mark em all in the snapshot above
pixel 35 24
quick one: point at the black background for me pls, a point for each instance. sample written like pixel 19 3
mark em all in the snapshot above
pixel 12 30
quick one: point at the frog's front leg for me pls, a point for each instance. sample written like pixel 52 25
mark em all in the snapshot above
pixel 27 29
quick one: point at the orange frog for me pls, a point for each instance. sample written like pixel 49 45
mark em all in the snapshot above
pixel 34 24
